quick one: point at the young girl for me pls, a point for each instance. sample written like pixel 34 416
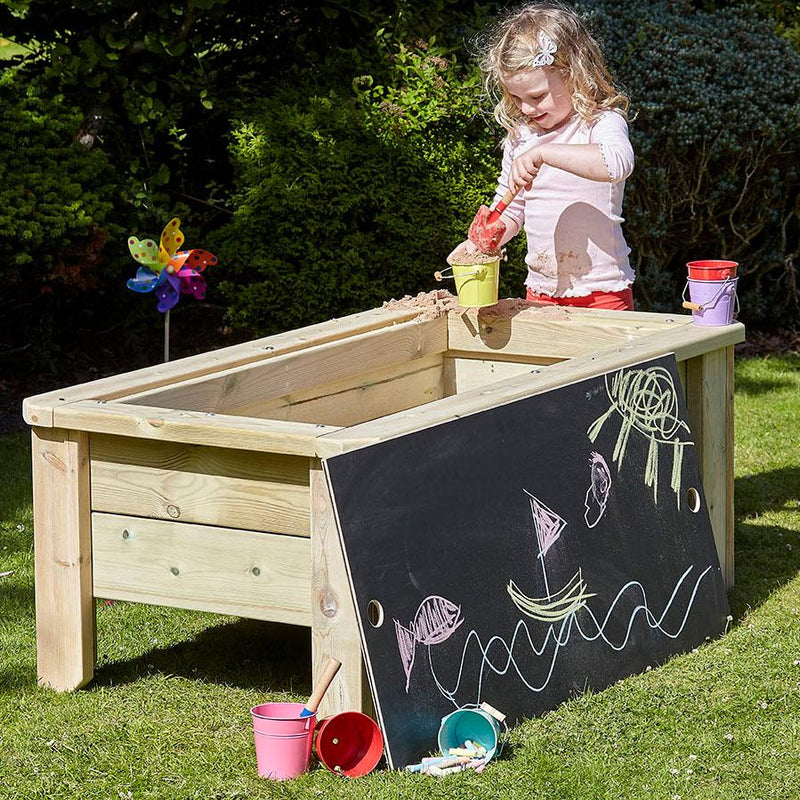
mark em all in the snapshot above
pixel 567 154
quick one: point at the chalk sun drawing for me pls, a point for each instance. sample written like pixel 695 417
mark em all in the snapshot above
pixel 598 491
pixel 435 621
pixel 646 401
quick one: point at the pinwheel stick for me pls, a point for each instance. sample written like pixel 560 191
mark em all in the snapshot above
pixel 166 336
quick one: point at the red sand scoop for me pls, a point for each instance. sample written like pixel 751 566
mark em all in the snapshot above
pixel 487 228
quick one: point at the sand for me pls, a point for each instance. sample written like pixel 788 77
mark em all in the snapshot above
pixel 474 257
pixel 440 302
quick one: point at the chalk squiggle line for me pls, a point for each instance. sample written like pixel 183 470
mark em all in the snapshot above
pixel 562 636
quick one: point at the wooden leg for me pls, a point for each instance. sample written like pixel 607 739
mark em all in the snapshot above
pixel 709 398
pixel 334 624
pixel 65 621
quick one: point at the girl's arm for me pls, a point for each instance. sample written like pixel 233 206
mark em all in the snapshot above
pixel 608 157
pixel 584 160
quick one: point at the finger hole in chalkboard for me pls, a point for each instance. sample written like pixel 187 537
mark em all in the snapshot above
pixel 375 613
pixel 693 499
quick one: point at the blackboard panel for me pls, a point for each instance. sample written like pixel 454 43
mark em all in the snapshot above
pixel 524 554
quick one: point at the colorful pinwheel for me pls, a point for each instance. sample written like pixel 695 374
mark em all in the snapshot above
pixel 166 271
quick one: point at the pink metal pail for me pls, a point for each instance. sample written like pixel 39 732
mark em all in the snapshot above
pixel 349 743
pixel 283 739
pixel 712 302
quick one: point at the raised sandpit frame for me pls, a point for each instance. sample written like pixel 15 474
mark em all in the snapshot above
pixel 199 484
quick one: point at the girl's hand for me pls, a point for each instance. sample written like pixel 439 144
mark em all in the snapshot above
pixel 462 253
pixel 526 167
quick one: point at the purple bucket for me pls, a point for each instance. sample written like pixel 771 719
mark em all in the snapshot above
pixel 712 302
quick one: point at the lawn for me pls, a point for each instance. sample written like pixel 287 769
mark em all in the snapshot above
pixel 167 715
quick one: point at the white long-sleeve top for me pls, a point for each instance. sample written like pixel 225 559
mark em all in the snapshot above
pixel 573 225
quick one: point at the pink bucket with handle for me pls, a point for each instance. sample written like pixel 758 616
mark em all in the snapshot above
pixel 283 739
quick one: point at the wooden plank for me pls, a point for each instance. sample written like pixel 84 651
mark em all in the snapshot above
pixel 474 373
pixel 449 381
pixel 553 332
pixel 242 387
pixel 194 427
pixel 729 565
pixel 685 341
pixel 204 485
pixel 225 571
pixel 334 629
pixel 361 397
pixel 65 621
pixel 709 398
pixel 38 410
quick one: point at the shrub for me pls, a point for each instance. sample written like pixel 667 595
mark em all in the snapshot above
pixel 715 132
pixel 54 209
pixel 352 197
pixel 348 197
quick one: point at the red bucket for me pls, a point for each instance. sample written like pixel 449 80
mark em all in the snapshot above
pixel 349 743
pixel 712 270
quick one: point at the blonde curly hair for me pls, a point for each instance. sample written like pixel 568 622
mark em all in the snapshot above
pixel 512 44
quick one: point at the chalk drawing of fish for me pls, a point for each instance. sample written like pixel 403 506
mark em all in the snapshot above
pixel 435 621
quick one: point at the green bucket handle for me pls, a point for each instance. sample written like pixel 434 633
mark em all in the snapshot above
pixel 440 274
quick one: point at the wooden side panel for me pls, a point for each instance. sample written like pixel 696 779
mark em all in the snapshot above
pixel 65 621
pixel 553 332
pixel 192 427
pixel 334 623
pixel 686 341
pixel 709 398
pixel 247 386
pixel 257 575
pixel 473 373
pixel 359 398
pixel 205 485
pixel 38 410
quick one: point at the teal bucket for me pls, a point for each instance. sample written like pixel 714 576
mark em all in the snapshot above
pixel 477 724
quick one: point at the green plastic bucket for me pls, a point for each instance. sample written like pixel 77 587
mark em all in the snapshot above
pixel 476 284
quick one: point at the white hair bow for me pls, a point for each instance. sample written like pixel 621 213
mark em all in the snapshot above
pixel 546 54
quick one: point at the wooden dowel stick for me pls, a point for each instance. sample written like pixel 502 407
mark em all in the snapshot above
pixel 322 686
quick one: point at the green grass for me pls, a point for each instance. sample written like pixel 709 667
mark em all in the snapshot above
pixel 168 713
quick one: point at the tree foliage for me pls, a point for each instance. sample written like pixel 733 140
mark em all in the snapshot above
pixel 716 127
pixel 335 152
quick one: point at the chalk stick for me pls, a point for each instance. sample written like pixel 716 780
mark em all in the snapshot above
pixel 433 770
pixel 450 770
pixel 453 762
pixel 434 759
pixel 463 751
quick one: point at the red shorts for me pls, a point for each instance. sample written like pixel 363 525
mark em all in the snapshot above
pixel 614 301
